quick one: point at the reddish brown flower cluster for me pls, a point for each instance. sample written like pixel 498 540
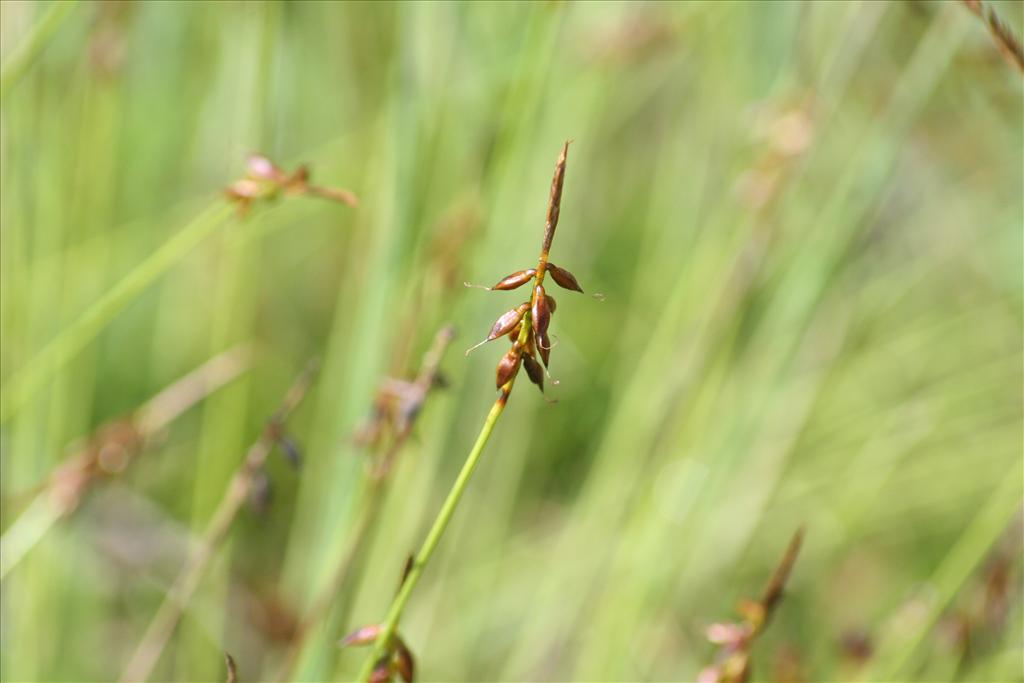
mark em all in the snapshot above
pixel 265 180
pixel 526 325
pixel 732 665
pixel 397 660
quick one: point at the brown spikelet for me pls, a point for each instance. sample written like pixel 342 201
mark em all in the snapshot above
pixel 508 366
pixel 555 203
pixel 534 371
pixel 564 278
pixel 507 322
pixel 515 280
pixel 540 314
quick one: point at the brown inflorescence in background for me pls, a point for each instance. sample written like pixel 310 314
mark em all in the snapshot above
pixel 736 639
pixel 265 180
pixel 1006 42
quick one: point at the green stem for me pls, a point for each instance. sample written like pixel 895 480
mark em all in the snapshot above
pixel 15 66
pixel 434 537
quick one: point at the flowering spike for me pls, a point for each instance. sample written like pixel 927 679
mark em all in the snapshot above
pixel 564 278
pixel 531 336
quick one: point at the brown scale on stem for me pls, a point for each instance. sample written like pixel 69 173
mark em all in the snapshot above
pixel 527 324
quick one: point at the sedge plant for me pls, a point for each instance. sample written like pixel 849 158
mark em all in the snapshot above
pixel 526 326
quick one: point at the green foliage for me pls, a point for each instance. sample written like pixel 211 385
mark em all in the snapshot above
pixel 807 220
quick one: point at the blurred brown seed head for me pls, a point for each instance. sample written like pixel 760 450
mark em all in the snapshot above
pixel 265 181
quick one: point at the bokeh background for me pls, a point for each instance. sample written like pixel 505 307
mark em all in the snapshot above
pixel 806 219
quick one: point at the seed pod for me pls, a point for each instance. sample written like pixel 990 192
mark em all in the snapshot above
pixel 544 347
pixel 551 303
pixel 361 636
pixel 508 366
pixel 507 322
pixel 516 279
pixel 534 371
pixel 564 278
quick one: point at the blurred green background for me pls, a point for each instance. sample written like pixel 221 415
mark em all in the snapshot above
pixel 807 221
